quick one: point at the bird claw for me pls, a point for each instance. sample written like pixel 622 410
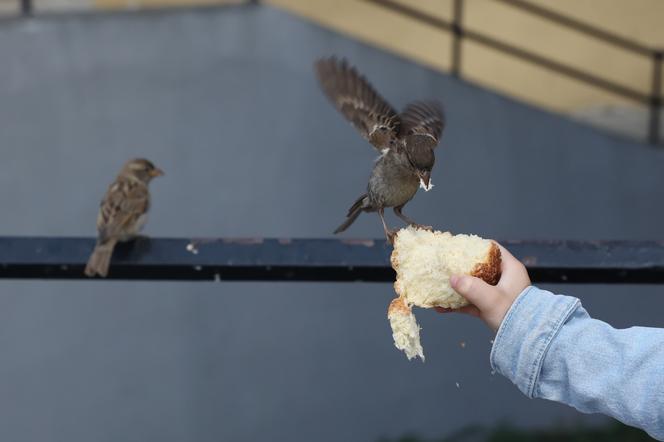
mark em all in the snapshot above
pixel 391 235
pixel 421 226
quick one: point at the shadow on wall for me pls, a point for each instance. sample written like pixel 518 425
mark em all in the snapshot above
pixel 613 432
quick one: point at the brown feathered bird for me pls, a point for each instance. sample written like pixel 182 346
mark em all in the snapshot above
pixel 406 141
pixel 122 212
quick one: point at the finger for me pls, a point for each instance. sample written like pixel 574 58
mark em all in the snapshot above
pixel 478 292
pixel 514 274
pixel 508 260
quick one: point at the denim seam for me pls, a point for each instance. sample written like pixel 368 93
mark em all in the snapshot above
pixel 546 343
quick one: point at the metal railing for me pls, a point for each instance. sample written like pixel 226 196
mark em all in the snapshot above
pixel 652 100
pixel 324 260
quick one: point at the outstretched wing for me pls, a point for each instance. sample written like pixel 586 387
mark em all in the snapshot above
pixel 357 100
pixel 424 121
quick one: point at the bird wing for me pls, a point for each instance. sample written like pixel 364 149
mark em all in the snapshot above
pixel 424 121
pixel 358 101
pixel 121 208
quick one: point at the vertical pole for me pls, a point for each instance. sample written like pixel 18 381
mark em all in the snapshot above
pixel 457 35
pixel 26 7
pixel 656 99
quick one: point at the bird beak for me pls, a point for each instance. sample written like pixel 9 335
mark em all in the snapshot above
pixel 425 180
pixel 156 172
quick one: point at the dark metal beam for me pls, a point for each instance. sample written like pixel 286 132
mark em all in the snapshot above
pixel 329 260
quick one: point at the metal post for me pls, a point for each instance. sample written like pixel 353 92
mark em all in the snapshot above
pixel 26 7
pixel 655 99
pixel 457 35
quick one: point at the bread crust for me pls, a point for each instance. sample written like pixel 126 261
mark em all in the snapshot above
pixel 398 307
pixel 489 271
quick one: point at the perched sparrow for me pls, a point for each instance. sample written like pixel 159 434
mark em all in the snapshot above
pixel 122 212
pixel 406 141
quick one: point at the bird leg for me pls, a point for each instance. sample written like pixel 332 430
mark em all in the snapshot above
pixel 400 214
pixel 389 234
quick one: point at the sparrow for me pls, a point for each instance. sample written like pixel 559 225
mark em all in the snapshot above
pixel 122 212
pixel 406 141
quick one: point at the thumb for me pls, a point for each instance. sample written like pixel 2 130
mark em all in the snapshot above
pixel 476 291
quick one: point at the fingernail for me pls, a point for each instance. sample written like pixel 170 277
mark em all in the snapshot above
pixel 454 280
pixel 462 284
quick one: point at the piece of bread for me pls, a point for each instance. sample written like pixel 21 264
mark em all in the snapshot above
pixel 405 330
pixel 424 262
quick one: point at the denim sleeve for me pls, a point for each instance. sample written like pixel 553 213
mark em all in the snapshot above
pixel 550 348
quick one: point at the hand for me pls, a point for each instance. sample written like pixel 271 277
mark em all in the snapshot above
pixel 491 303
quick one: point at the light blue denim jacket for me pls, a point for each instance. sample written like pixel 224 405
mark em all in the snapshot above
pixel 551 348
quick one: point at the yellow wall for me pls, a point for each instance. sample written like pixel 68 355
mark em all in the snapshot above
pixel 640 20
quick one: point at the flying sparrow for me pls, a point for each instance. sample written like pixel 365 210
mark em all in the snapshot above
pixel 405 141
pixel 122 212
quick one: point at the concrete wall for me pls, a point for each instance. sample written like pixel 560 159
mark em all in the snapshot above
pixel 225 102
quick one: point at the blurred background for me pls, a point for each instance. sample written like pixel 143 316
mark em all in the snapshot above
pixel 554 131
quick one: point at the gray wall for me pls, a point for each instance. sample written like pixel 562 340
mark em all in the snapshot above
pixel 224 100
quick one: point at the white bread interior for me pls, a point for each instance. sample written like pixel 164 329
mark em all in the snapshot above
pixel 405 330
pixel 424 261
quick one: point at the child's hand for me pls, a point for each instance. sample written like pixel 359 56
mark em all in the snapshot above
pixel 491 303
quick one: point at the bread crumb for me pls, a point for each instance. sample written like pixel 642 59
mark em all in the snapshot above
pixel 405 330
pixel 192 248
pixel 424 186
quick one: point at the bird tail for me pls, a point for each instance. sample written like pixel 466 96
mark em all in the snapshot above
pixel 353 213
pixel 100 260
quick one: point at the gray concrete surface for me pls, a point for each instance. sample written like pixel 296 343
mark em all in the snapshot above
pixel 225 102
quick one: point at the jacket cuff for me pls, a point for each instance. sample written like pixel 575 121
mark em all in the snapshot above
pixel 525 334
